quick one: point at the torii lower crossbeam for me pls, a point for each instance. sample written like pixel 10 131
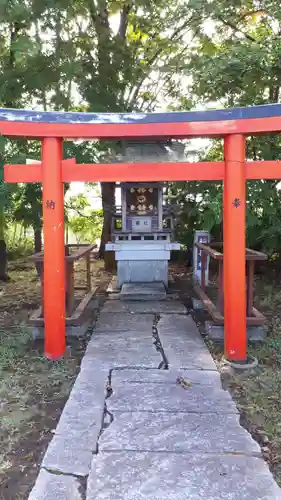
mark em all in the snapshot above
pixel 233 125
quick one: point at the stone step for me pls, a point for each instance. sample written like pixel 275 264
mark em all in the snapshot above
pixel 143 291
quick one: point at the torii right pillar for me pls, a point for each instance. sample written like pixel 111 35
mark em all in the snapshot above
pixel 234 249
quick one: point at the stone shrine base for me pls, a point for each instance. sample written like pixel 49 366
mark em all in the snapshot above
pixel 140 271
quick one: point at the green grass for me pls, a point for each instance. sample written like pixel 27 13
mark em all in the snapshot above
pixel 33 391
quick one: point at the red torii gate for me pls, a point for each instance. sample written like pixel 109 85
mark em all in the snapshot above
pixel 233 125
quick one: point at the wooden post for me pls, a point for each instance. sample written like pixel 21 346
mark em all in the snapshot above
pixel 70 287
pixel 221 291
pixel 42 291
pixel 124 208
pixel 234 248
pixel 88 270
pixel 250 287
pixel 203 270
pixel 54 259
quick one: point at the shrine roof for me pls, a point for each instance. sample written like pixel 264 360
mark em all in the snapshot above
pixel 254 119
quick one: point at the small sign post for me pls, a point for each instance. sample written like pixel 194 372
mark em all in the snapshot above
pixel 200 237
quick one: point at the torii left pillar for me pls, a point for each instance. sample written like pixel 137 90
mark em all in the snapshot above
pixel 54 256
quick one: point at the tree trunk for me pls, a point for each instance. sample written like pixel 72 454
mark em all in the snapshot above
pixel 108 202
pixel 38 247
pixel 3 249
pixel 37 239
pixel 3 261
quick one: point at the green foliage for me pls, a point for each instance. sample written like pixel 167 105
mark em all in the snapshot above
pixel 87 228
pixel 235 61
pixel 112 55
pixel 83 222
pixel 197 206
pixel 19 241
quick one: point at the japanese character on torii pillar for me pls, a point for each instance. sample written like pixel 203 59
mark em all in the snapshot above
pixel 233 125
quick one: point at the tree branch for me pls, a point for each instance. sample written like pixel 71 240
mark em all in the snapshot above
pixel 159 51
pixel 135 91
pixel 122 30
pixel 233 26
pixel 99 19
pixel 274 93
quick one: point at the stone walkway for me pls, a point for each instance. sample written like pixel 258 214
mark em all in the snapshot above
pixel 147 418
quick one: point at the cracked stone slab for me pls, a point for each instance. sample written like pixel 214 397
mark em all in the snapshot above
pixel 126 352
pixel 169 398
pixel 163 307
pixel 118 340
pixel 55 487
pixel 119 336
pixel 155 376
pixel 66 455
pixel 184 348
pixel 189 355
pixel 92 378
pixel 125 475
pixel 138 357
pixel 183 326
pixel 145 307
pixel 87 395
pixel 77 422
pixel 115 306
pixel 177 432
pixel 108 322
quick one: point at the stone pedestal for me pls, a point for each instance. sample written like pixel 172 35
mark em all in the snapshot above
pixel 142 261
pixel 216 332
pixel 142 271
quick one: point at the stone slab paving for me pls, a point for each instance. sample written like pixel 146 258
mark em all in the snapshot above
pixel 153 376
pixel 108 322
pixel 172 476
pixel 131 431
pixel 153 307
pixel 123 352
pixel 69 455
pixel 177 432
pixel 164 307
pixel 182 344
pixel 168 398
pixel 55 487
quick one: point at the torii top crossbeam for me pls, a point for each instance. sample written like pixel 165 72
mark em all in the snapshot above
pixel 233 125
pixel 248 121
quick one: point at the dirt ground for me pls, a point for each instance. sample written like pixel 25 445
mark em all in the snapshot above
pixel 33 390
